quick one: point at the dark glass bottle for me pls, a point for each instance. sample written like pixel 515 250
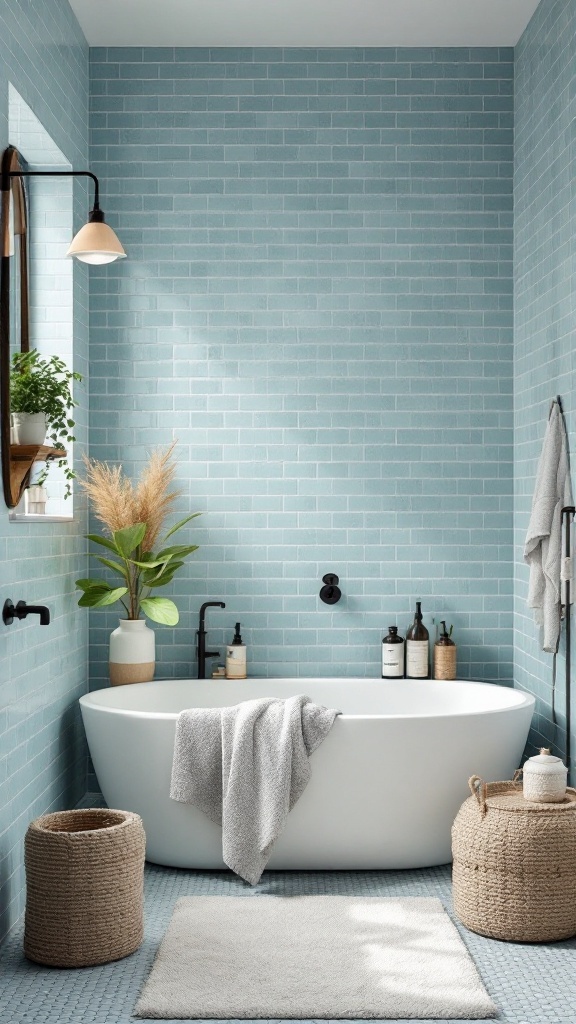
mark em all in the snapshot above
pixel 417 648
pixel 392 655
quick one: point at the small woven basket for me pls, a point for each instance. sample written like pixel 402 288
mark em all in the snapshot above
pixel 84 877
pixel 514 872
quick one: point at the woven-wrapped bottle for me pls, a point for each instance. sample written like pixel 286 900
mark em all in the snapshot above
pixel 445 655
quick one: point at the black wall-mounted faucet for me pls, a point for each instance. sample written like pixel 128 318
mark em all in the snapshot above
pixel 9 612
pixel 201 634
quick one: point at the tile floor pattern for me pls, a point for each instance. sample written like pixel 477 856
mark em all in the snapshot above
pixel 530 984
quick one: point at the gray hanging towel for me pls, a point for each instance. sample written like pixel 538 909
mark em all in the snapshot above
pixel 543 545
pixel 246 766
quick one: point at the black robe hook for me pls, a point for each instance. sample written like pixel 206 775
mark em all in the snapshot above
pixel 330 593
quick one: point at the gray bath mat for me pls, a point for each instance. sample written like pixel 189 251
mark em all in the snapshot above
pixel 311 957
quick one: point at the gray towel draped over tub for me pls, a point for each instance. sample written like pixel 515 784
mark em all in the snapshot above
pixel 543 545
pixel 246 766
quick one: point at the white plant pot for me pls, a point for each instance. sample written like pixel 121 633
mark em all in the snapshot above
pixel 132 652
pixel 28 427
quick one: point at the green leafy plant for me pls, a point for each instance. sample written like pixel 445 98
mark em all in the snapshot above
pixel 39 385
pixel 133 517
pixel 141 572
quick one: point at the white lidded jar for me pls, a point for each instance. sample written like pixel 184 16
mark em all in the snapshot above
pixel 132 652
pixel 545 778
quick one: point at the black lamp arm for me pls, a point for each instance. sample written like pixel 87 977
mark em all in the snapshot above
pixel 54 174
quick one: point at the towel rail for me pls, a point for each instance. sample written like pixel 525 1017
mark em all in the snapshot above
pixel 566 516
pixel 565 519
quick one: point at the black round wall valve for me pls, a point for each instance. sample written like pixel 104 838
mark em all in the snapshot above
pixel 330 592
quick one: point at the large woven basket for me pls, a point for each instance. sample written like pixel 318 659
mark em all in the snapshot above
pixel 514 873
pixel 84 899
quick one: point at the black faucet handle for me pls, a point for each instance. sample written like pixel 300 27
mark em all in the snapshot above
pixel 22 610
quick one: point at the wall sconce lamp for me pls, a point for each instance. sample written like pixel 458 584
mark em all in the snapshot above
pixel 96 242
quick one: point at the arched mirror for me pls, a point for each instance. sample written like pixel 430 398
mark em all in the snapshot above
pixel 19 453
pixel 25 384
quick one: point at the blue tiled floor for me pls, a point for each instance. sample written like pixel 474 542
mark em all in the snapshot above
pixel 531 984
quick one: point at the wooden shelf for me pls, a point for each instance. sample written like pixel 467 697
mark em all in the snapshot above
pixel 22 458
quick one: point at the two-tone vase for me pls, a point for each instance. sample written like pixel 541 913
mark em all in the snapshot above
pixel 132 652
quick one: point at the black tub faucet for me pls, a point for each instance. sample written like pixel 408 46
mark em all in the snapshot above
pixel 9 612
pixel 201 635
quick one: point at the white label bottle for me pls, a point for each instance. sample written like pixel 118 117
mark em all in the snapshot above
pixel 417 648
pixel 392 655
pixel 236 657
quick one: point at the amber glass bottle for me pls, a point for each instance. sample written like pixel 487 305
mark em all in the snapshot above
pixel 417 647
pixel 392 655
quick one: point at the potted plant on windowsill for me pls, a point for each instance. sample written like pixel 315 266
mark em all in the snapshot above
pixel 133 518
pixel 41 403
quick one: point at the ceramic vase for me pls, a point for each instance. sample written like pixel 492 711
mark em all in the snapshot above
pixel 132 652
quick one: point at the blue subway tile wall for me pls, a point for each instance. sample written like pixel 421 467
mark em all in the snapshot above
pixel 44 56
pixel 545 305
pixel 318 305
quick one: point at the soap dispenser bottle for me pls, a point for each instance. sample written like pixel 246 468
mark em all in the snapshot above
pixel 445 655
pixel 236 657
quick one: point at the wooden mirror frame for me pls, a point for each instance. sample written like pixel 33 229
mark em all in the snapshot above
pixel 17 460
pixel 13 192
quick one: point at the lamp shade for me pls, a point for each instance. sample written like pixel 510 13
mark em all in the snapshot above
pixel 96 243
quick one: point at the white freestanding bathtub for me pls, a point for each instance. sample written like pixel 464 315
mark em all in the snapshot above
pixel 386 783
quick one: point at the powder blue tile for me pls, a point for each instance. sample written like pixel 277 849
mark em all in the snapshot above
pixel 544 227
pixel 303 316
pixel 43 760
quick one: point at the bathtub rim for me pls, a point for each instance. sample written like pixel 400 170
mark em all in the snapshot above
pixel 527 699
